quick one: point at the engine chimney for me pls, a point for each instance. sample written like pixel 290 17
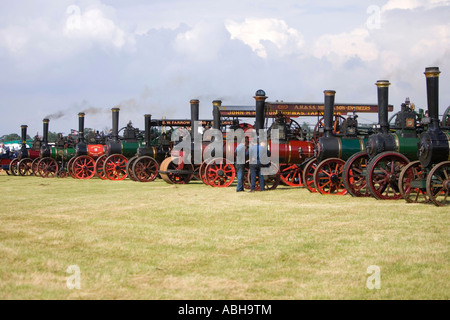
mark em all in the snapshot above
pixel 24 136
pixel 383 98
pixel 432 76
pixel 80 127
pixel 115 124
pixel 148 127
pixel 45 150
pixel 260 98
pixel 328 112
pixel 434 145
pixel 216 114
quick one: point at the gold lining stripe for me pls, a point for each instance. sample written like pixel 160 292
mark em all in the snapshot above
pixel 361 143
pixel 289 158
pixel 397 143
pixel 340 148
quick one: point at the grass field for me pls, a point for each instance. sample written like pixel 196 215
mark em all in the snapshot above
pixel 132 240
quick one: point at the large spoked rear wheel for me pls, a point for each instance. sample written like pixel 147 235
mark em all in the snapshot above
pixel 83 167
pixel 412 183
pixel 99 172
pixel 115 167
pixel 24 167
pixel 328 177
pixel 220 173
pixel 308 175
pixel 145 169
pixel 438 184
pixel 383 174
pixel 291 175
pixel 48 168
pixel 355 175
pixel 13 167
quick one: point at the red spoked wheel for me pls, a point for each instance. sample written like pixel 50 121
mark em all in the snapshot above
pixel 24 167
pixel 130 172
pixel 355 175
pixel 83 167
pixel 48 168
pixel 271 181
pixel 34 166
pixel 328 177
pixel 383 173
pixel 174 171
pixel 13 167
pixel 145 169
pixel 115 167
pixel 99 172
pixel 220 172
pixel 438 183
pixel 308 175
pixel 69 168
pixel 412 183
pixel 291 175
pixel 202 171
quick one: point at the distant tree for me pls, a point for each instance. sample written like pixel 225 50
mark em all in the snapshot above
pixel 10 137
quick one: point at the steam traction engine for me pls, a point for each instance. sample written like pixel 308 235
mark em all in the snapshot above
pixel 219 172
pixel 331 150
pixel 54 158
pixel 429 177
pixel 118 151
pixel 22 164
pixel 389 152
pixel 82 165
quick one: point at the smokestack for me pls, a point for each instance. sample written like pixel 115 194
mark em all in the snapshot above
pixel 115 124
pixel 216 114
pixel 260 98
pixel 432 76
pixel 45 131
pixel 24 136
pixel 194 111
pixel 433 145
pixel 80 127
pixel 148 126
pixel 383 98
pixel 328 112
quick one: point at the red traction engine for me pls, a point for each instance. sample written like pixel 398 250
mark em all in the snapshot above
pixel 219 172
pixel 83 164
pixel 428 178
pixel 23 164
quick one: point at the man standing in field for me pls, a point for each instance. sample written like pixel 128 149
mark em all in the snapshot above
pixel 257 152
pixel 240 153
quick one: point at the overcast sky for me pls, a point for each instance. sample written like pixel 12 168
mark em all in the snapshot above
pixel 58 58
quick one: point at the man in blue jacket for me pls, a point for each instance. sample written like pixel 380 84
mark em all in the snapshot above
pixel 257 152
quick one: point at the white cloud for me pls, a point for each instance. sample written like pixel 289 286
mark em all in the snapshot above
pixel 414 4
pixel 346 45
pixel 94 25
pixel 14 39
pixel 253 32
pixel 202 42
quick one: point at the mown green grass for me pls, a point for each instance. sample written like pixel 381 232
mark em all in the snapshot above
pixel 158 241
